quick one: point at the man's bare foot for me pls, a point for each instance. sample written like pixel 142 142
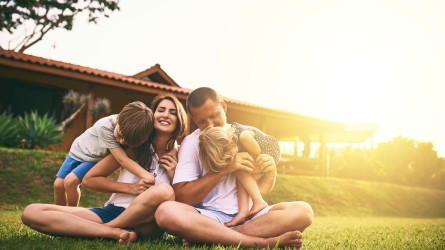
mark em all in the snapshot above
pixel 127 237
pixel 289 239
pixel 257 207
pixel 240 218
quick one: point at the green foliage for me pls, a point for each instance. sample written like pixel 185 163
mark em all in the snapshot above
pixel 27 176
pixel 31 20
pixel 402 161
pixel 39 130
pixel 9 131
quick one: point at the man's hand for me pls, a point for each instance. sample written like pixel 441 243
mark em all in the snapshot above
pixel 140 186
pixel 264 163
pixel 169 162
pixel 241 161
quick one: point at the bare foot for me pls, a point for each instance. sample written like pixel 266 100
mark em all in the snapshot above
pixel 289 239
pixel 127 237
pixel 240 218
pixel 257 207
pixel 185 243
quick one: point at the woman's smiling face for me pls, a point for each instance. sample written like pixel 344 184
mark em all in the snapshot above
pixel 165 117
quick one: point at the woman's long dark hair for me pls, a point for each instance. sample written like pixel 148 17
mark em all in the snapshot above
pixel 181 125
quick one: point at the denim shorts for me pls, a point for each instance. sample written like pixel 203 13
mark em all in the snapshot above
pixel 77 167
pixel 108 212
pixel 223 217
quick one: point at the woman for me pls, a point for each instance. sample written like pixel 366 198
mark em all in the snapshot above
pixel 134 200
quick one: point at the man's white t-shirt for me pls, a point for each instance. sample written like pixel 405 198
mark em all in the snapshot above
pixel 223 196
pixel 125 176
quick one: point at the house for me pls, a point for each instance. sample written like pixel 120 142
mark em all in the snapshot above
pixel 34 83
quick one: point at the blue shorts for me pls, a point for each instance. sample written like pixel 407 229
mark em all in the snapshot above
pixel 223 217
pixel 108 212
pixel 77 167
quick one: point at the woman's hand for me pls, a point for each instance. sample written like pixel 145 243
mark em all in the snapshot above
pixel 168 162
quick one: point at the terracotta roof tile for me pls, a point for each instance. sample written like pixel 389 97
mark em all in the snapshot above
pixel 86 70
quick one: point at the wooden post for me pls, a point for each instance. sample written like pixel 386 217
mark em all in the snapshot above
pixel 88 114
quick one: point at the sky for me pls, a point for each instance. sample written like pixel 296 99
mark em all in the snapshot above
pixel 379 62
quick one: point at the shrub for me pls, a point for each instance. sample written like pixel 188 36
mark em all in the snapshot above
pixel 9 131
pixel 38 130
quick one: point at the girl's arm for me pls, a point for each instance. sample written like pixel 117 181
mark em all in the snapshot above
pixel 249 143
pixel 96 179
pixel 129 164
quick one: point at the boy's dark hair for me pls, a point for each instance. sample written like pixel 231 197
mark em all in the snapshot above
pixel 136 123
pixel 200 95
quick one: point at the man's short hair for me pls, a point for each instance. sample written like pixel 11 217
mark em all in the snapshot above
pixel 200 95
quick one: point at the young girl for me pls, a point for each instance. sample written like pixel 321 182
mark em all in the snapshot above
pixel 130 128
pixel 218 146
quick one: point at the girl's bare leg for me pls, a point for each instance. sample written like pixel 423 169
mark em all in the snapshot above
pixel 251 187
pixel 243 207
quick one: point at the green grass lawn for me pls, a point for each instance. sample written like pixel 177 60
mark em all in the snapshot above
pixel 349 214
pixel 325 233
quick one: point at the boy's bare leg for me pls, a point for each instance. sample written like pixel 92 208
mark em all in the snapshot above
pixel 251 187
pixel 71 221
pixel 184 221
pixel 72 189
pixel 59 192
pixel 143 207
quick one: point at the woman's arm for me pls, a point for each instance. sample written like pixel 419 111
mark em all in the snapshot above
pixel 96 179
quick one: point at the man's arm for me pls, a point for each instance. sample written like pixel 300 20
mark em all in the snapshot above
pixel 193 192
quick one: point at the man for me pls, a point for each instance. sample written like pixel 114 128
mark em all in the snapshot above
pixel 204 201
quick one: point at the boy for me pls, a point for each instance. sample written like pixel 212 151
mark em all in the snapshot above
pixel 130 128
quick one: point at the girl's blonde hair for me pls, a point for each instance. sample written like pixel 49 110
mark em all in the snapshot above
pixel 217 147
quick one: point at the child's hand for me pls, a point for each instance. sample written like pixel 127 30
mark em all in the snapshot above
pixel 169 162
pixel 148 176
pixel 140 186
pixel 264 163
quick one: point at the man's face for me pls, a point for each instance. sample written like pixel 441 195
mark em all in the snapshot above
pixel 209 114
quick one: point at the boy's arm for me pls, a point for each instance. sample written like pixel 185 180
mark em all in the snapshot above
pixel 247 139
pixel 96 179
pixel 129 164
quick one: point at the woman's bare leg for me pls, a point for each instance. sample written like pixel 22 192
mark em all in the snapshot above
pixel 143 207
pixel 71 221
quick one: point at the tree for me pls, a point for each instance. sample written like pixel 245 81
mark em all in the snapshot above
pixel 31 20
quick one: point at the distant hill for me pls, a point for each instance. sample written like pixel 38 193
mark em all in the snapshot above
pixel 27 176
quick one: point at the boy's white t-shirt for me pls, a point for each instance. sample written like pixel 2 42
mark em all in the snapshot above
pixel 125 176
pixel 223 197
pixel 94 143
